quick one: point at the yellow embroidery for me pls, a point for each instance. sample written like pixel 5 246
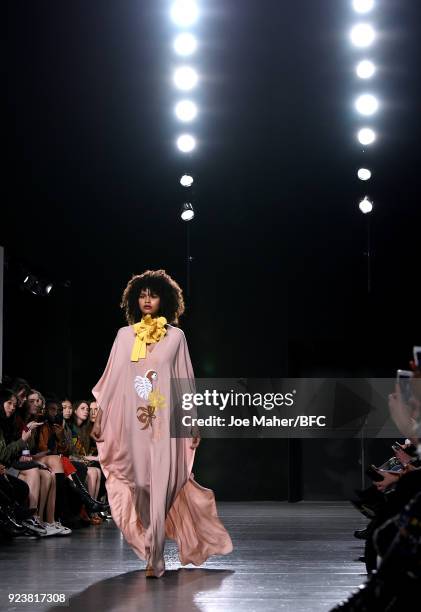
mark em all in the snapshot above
pixel 157 400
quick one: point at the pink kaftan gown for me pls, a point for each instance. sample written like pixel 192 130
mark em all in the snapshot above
pixel 151 490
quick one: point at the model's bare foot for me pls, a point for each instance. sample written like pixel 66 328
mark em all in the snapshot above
pixel 149 571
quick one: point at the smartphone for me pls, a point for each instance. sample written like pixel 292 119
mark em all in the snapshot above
pixel 417 356
pixel 403 378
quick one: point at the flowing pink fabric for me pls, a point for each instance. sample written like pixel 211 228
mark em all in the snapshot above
pixel 151 489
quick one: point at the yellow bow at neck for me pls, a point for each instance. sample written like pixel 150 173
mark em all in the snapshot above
pixel 148 331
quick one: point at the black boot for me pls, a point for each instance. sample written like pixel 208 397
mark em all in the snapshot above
pixel 8 521
pixel 91 504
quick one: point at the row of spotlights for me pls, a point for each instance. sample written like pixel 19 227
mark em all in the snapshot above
pixel 184 13
pixel 362 36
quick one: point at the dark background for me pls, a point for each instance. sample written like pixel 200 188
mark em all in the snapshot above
pixel 279 272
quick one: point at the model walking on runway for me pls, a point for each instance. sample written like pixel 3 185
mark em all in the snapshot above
pixel 151 489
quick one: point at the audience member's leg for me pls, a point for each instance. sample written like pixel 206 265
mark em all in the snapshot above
pixel 98 482
pixel 92 480
pixel 53 462
pixel 46 480
pixel 31 477
pixel 51 500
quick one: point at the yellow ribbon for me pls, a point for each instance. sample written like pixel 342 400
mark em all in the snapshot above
pixel 148 331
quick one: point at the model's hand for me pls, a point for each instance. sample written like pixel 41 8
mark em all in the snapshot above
pixel 195 442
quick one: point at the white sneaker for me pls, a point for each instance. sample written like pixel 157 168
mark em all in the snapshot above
pixel 50 529
pixel 34 525
pixel 61 529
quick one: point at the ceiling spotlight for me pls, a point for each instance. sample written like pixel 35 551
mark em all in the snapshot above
pixel 185 44
pixel 366 104
pixel 366 136
pixel 187 212
pixel 184 12
pixel 36 286
pixel 365 206
pixel 363 6
pixel 186 110
pixel 186 143
pixel 364 174
pixel 185 78
pixel 365 69
pixel 362 35
pixel 186 180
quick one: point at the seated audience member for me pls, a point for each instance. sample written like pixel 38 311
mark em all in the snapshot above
pixel 393 545
pixel 41 483
pixel 79 427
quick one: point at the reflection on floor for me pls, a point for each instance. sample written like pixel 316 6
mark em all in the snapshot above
pixel 289 557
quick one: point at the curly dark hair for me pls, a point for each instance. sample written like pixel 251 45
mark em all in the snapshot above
pixel 157 281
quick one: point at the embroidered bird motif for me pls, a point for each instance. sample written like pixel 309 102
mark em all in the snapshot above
pixel 144 384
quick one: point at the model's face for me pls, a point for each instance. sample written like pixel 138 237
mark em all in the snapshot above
pixel 67 409
pixel 35 403
pixel 82 411
pixel 149 302
pixel 93 411
pixel 21 397
pixel 9 407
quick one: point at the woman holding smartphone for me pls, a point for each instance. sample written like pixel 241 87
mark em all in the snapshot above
pixel 151 490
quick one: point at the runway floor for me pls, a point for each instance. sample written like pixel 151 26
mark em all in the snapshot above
pixel 288 557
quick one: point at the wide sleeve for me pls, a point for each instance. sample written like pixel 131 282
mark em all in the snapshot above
pixel 106 387
pixel 184 387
